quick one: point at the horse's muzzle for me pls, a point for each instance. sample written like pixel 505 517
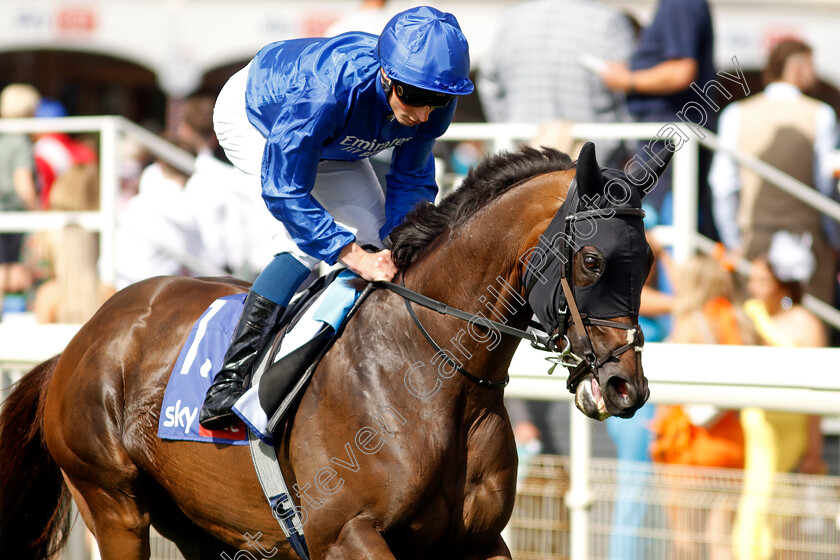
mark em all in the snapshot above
pixel 616 397
pixel 590 400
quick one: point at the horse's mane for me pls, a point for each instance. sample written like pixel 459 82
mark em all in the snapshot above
pixel 490 179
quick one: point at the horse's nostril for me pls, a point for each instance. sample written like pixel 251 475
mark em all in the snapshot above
pixel 620 394
pixel 619 390
pixel 624 398
pixel 620 387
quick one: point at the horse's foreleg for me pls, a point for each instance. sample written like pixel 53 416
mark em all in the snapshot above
pixel 359 540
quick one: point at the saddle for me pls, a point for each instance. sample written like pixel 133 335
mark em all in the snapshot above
pixel 305 333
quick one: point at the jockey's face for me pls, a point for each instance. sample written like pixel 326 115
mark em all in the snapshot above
pixel 407 115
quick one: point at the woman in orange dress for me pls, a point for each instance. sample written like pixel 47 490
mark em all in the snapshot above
pixel 705 312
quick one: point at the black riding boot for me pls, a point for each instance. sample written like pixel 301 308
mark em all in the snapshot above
pixel 258 319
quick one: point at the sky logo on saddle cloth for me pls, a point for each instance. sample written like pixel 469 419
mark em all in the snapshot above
pixel 200 359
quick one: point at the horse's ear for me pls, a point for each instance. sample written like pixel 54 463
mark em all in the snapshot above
pixel 656 164
pixel 590 182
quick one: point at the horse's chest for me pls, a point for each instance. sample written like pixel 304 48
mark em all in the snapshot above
pixel 476 492
pixel 490 484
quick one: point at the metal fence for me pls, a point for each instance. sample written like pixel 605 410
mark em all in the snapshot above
pixel 650 512
pixel 664 512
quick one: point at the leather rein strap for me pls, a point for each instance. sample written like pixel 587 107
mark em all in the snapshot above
pixel 474 378
pixel 578 368
pixel 444 309
pixel 409 296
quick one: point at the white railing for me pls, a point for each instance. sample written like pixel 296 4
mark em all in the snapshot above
pixel 681 236
pixel 110 130
pixel 726 376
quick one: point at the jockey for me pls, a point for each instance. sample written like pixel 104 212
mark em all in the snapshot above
pixel 301 119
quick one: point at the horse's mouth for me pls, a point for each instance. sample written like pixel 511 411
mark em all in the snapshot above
pixel 590 400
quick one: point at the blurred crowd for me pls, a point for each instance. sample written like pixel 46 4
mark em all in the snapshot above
pixel 552 62
pixel 169 221
pixel 602 66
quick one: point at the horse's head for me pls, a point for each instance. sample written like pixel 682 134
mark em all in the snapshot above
pixel 586 277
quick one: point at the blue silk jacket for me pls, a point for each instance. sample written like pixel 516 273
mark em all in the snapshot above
pixel 322 99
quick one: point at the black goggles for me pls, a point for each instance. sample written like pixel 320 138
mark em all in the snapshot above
pixel 417 97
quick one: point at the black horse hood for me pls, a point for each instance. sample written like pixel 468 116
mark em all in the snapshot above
pixel 602 210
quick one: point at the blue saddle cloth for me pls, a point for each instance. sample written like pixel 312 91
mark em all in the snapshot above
pixel 312 321
pixel 200 358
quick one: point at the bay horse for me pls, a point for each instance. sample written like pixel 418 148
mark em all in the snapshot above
pixel 390 453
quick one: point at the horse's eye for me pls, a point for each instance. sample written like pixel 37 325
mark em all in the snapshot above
pixel 591 262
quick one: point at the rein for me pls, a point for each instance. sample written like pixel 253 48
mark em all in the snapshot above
pixel 537 340
pixel 434 304
pixel 579 367
pixel 408 295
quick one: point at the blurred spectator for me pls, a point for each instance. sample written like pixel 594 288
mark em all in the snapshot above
pixel 195 128
pixel 793 133
pixel 673 51
pixel 56 152
pixel 156 230
pixel 705 312
pixel 133 160
pixel 202 223
pixel 632 436
pixel 223 212
pixel 535 72
pixel 17 184
pixel 75 291
pixel 541 66
pixel 370 16
pixel 777 441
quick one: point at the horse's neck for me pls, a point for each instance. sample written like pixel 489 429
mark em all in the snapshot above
pixel 478 270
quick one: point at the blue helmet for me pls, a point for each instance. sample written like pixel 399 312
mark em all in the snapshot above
pixel 425 48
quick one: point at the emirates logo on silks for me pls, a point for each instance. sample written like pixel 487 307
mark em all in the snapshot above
pixel 366 148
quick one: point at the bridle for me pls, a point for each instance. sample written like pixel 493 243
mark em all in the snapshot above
pixel 567 312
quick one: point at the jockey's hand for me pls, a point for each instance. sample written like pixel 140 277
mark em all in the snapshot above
pixel 370 266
